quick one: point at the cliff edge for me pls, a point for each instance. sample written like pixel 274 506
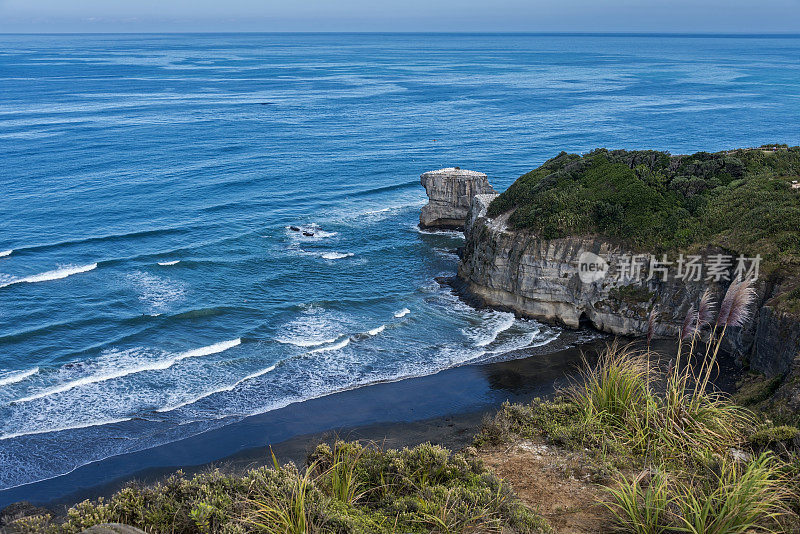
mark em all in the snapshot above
pixel 610 239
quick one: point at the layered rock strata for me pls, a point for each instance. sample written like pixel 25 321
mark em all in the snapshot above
pixel 450 192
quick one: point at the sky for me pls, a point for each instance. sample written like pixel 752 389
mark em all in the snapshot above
pixel 628 16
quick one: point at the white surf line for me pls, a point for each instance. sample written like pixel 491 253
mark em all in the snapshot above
pixel 61 429
pixel 337 346
pixel 402 313
pixel 306 343
pixel 17 376
pixel 532 344
pixel 219 390
pixel 52 275
pixel 376 331
pixel 155 366
pixel 336 255
pixel 165 263
pixel 5 253
pixel 382 210
pixel 508 322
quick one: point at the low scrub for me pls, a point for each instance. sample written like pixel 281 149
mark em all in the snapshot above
pixel 345 488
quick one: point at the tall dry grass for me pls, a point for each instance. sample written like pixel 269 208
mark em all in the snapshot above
pixel 690 420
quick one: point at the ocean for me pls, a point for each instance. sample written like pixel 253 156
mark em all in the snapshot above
pixel 150 286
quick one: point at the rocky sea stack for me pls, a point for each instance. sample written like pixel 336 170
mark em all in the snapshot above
pixel 450 192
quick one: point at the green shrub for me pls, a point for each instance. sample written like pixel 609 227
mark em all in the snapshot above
pixel 769 435
pixel 347 488
pixel 733 498
pixel 660 202
pixel 641 504
pixel 737 500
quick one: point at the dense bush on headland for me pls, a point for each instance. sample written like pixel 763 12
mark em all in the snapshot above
pixel 350 488
pixel 741 200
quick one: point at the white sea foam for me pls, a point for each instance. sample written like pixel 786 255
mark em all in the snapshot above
pixel 336 346
pixel 17 376
pixel 155 291
pixel 159 365
pixel 322 234
pixel 51 275
pixel 312 228
pixel 306 342
pixel 379 213
pixel 4 253
pixel 487 333
pixel 447 233
pixel 520 342
pixel 376 331
pixel 315 326
pixel 528 341
pixel 446 253
pixel 215 391
pixel 165 263
pixel 211 349
pixel 66 427
pixel 336 255
pixel 402 313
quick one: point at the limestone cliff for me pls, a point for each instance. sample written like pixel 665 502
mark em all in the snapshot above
pixel 516 270
pixel 450 192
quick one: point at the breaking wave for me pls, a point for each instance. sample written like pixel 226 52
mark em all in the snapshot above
pixel 376 331
pixel 218 390
pixel 51 275
pixel 336 255
pixel 343 343
pixel 159 365
pixel 66 427
pixel 17 376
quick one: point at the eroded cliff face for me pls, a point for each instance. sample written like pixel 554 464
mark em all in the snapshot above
pixel 450 192
pixel 515 270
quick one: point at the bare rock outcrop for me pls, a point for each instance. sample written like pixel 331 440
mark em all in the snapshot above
pixel 450 192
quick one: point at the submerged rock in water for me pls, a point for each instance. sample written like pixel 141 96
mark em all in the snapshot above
pixel 450 192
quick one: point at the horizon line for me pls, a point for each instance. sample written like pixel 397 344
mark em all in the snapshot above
pixel 431 32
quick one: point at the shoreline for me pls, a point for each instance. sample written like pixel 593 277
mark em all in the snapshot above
pixel 444 408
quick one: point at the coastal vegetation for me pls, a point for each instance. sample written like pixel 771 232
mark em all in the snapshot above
pixel 741 200
pixel 674 454
pixel 346 488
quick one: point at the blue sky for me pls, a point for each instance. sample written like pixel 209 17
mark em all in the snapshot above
pixel 715 16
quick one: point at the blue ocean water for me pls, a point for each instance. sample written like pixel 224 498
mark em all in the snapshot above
pixel 149 286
